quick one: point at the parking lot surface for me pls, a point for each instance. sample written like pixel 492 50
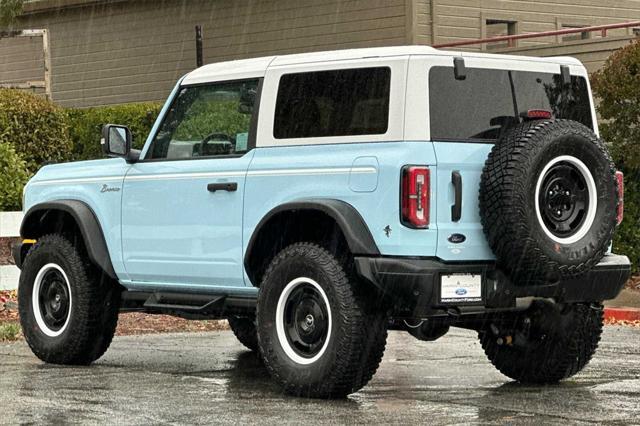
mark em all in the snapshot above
pixel 210 378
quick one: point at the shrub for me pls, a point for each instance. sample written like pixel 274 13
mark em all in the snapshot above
pixel 224 117
pixel 35 126
pixel 9 331
pixel 86 126
pixel 617 85
pixel 13 177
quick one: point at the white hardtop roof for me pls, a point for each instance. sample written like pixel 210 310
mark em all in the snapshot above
pixel 256 67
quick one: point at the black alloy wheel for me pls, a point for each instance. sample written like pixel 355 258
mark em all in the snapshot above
pixel 306 320
pixel 54 298
pixel 564 199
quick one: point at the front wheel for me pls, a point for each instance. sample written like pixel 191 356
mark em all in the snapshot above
pixel 68 309
pixel 317 334
pixel 545 344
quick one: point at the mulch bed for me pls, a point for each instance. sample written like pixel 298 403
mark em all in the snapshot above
pixel 8 306
pixel 5 250
pixel 625 323
pixel 139 323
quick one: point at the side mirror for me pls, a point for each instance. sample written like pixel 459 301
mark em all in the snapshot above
pixel 116 142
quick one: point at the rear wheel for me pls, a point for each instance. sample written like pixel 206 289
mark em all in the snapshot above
pixel 68 309
pixel 317 335
pixel 545 344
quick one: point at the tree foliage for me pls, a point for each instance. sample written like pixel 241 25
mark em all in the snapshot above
pixel 617 87
pixel 9 11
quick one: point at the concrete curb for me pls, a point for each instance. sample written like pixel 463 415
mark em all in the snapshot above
pixel 10 224
pixel 622 314
pixel 9 276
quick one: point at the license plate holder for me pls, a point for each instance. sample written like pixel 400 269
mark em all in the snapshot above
pixel 461 288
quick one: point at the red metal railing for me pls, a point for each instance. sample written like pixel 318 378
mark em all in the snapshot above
pixel 510 39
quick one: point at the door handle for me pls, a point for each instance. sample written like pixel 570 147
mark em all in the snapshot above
pixel 223 186
pixel 456 208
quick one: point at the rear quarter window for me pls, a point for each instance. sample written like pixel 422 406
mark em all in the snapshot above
pixel 345 102
pixel 489 101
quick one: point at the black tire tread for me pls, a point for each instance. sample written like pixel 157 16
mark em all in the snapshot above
pixel 361 348
pixel 244 328
pixel 560 357
pixel 502 200
pixel 94 324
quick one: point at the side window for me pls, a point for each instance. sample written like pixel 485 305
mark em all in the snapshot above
pixel 333 103
pixel 207 121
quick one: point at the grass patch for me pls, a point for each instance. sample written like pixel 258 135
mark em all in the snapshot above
pixel 9 331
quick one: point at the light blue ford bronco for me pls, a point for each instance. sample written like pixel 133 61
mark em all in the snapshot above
pixel 319 200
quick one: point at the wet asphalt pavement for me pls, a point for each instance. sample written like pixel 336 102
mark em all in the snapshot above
pixel 210 378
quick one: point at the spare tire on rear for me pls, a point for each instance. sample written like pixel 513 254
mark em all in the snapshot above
pixel 548 198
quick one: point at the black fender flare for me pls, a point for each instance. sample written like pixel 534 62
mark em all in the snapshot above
pixel 88 225
pixel 350 222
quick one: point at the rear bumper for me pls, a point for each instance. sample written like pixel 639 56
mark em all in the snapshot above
pixel 414 285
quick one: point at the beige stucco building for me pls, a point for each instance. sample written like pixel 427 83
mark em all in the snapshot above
pixel 109 52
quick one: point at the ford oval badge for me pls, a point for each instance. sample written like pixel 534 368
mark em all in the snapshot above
pixel 457 238
pixel 461 291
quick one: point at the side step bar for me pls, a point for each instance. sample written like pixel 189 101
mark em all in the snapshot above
pixel 187 305
pixel 192 303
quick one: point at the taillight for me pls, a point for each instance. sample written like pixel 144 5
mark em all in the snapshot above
pixel 414 198
pixel 620 211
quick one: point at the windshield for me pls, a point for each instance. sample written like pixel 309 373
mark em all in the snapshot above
pixel 488 101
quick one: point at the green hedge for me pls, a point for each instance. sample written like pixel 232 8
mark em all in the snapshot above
pixel 13 177
pixel 86 125
pixel 37 129
pixel 617 86
pixel 224 117
pixel 34 131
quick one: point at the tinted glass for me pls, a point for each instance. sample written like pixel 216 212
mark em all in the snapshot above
pixel 205 121
pixel 489 101
pixel 333 103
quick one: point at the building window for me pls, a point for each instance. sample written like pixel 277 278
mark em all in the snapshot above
pixel 500 27
pixel 584 35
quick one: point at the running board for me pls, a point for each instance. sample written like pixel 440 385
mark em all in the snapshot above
pixel 192 303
